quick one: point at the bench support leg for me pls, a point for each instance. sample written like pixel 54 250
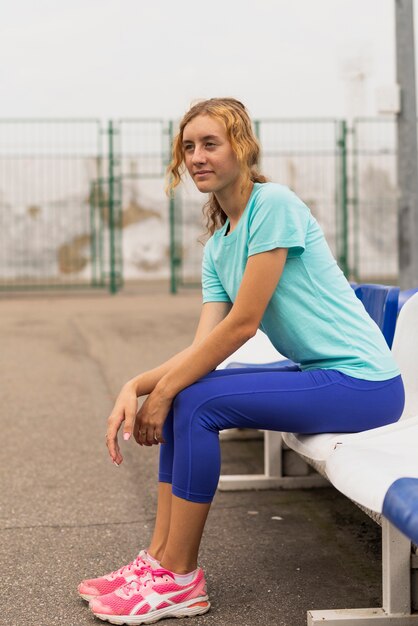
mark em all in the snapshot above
pixel 396 569
pixel 396 580
pixel 273 477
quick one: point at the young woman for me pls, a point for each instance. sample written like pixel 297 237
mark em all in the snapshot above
pixel 266 265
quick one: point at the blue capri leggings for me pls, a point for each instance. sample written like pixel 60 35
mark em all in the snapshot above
pixel 314 401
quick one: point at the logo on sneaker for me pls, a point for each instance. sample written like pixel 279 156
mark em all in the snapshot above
pixel 154 598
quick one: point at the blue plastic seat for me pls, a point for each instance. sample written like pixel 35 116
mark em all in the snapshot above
pixel 284 364
pixel 400 506
pixel 381 303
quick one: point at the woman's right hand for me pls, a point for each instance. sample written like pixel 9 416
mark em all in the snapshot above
pixel 125 408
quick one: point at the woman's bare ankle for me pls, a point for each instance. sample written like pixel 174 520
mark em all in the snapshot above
pixel 178 567
pixel 155 552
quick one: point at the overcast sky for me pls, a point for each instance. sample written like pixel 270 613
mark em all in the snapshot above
pixel 151 58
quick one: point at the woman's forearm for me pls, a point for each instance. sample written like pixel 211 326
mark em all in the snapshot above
pixel 202 358
pixel 145 383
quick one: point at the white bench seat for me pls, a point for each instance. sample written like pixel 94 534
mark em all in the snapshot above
pixel 364 469
pixel 363 465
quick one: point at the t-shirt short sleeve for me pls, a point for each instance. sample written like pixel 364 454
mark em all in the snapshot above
pixel 212 289
pixel 279 220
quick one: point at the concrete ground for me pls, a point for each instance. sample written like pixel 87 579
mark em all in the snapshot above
pixel 67 513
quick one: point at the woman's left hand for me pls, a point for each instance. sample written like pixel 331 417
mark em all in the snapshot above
pixel 149 422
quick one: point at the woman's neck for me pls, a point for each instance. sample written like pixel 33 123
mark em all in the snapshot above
pixel 233 202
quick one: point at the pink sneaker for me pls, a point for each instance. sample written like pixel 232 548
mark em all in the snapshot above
pixel 92 587
pixel 153 596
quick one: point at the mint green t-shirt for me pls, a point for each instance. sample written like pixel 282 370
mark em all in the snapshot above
pixel 314 316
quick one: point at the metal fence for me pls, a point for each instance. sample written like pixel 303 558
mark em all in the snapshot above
pixel 373 228
pixel 308 156
pixel 141 155
pixel 83 204
pixel 47 228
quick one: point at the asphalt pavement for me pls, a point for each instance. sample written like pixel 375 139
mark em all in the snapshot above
pixel 68 513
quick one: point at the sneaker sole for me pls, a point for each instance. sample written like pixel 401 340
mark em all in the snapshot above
pixel 197 606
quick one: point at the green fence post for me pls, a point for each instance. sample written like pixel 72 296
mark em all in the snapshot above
pixel 111 217
pixel 342 235
pixel 355 205
pixel 93 239
pixel 257 129
pixel 173 262
pixel 172 209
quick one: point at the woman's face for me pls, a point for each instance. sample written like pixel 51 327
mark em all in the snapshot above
pixel 208 155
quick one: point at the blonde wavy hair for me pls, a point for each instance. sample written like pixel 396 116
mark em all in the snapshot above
pixel 237 123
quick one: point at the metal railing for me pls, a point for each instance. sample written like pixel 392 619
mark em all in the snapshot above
pixel 83 204
pixel 47 229
pixel 373 228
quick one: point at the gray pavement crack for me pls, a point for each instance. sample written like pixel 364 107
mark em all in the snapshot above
pixel 75 526
pixel 90 353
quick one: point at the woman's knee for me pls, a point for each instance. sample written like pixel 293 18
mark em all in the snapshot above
pixel 183 400
pixel 191 408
